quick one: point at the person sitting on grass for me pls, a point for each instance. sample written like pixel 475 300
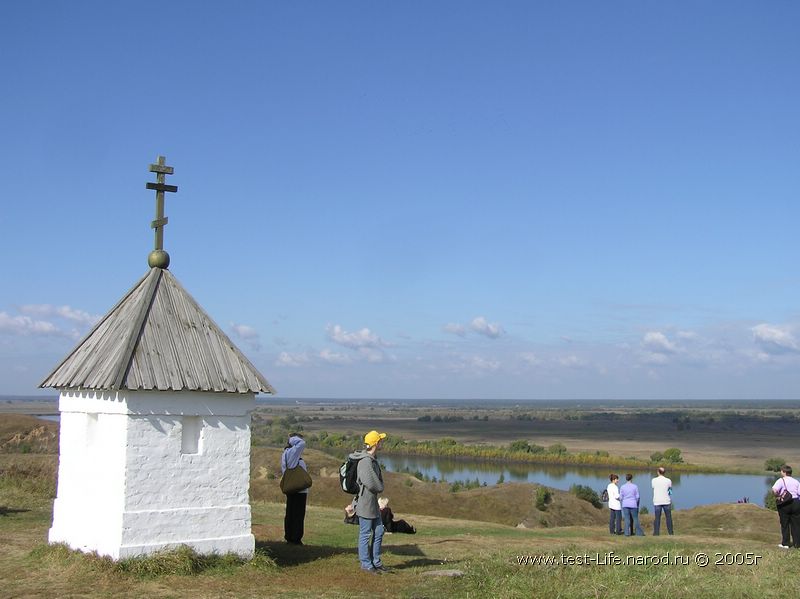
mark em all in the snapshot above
pixel 392 525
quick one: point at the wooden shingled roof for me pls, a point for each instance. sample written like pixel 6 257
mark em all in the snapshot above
pixel 158 338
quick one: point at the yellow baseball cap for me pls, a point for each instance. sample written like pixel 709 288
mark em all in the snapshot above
pixel 372 438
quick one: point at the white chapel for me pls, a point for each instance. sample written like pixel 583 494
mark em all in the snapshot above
pixel 155 409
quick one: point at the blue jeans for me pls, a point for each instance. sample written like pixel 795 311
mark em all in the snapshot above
pixel 630 517
pixel 370 555
pixel 667 509
pixel 615 522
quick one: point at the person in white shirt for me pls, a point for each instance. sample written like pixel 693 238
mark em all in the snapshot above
pixel 789 513
pixel 614 506
pixel 662 501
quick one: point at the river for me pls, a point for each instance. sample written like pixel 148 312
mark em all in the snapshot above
pixel 689 490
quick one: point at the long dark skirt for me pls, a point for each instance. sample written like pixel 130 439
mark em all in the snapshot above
pixel 293 522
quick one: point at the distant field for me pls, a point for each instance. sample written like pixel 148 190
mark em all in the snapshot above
pixel 737 437
pixel 725 434
pixel 12 405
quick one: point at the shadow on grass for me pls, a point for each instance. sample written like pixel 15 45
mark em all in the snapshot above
pixel 284 554
pixel 412 550
pixel 5 511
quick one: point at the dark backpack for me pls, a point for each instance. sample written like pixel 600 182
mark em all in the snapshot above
pixel 348 476
pixel 604 495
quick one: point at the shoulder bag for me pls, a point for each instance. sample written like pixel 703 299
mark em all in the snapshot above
pixel 783 498
pixel 295 479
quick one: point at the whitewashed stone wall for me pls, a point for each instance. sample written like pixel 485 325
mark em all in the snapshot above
pixel 143 471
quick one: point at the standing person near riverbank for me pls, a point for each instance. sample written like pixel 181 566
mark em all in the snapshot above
pixel 662 501
pixel 370 484
pixel 788 514
pixel 614 506
pixel 294 519
pixel 629 498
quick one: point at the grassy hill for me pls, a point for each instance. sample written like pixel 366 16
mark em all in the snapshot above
pixel 475 532
pixel 511 504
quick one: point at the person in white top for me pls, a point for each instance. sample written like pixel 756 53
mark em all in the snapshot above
pixel 614 506
pixel 662 501
pixel 789 513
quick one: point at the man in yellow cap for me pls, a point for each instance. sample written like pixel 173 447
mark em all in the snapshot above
pixel 370 485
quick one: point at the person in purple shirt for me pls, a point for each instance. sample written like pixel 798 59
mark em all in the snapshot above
pixel 629 498
pixel 789 514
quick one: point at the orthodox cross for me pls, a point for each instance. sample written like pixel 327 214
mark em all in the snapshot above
pixel 158 257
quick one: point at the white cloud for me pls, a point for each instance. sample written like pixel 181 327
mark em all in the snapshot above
pixel 481 326
pixel 654 358
pixel 372 354
pixel 368 345
pixel 530 358
pixel 37 320
pixel 25 325
pixel 332 357
pixel 244 331
pixel 571 361
pixel 657 349
pixel 657 342
pixel 455 329
pixel 483 365
pixel 774 340
pixel 356 340
pixel 65 312
pixel 248 334
pixel 285 359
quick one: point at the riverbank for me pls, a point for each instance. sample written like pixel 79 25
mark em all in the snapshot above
pixel 732 437
pixel 738 439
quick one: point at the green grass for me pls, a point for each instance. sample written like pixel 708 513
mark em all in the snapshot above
pixel 486 553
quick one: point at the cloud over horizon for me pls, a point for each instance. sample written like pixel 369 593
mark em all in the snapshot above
pixel 25 325
pixel 247 334
pixel 66 312
pixel 368 345
pixel 479 325
pixel 774 339
pixel 41 320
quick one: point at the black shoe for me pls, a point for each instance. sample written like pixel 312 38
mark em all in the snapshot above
pixel 383 569
pixel 371 571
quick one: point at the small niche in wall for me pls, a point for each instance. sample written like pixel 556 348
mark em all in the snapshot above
pixel 92 431
pixel 191 435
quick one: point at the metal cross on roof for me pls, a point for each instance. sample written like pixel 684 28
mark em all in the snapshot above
pixel 158 258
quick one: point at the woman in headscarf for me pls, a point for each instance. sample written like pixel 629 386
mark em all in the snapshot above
pixel 294 520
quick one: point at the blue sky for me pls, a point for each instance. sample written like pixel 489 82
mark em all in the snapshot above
pixel 421 200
